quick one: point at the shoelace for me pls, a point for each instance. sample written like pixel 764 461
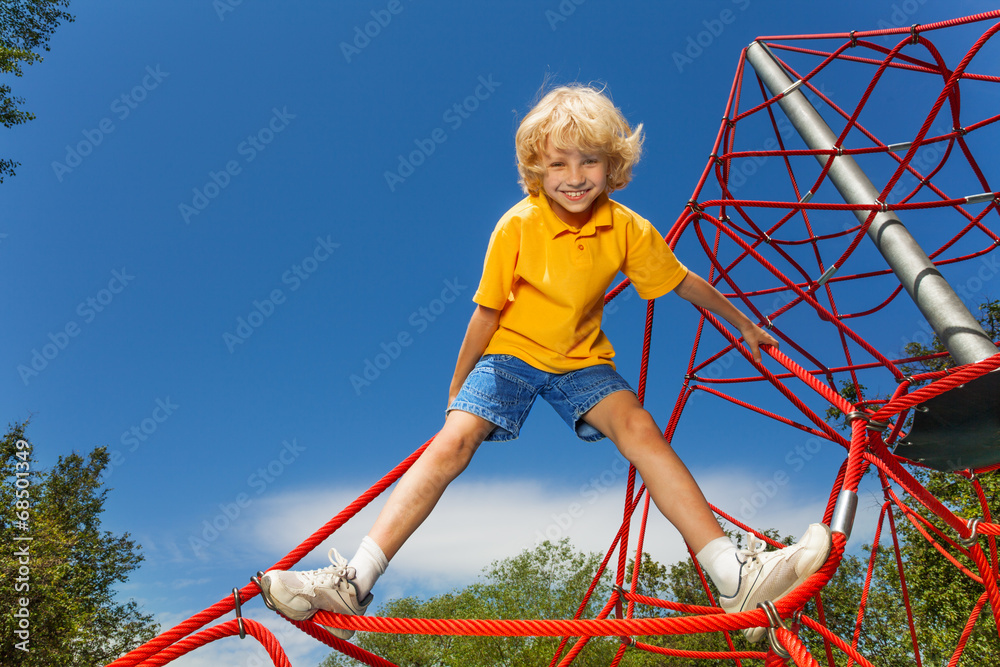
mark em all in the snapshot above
pixel 750 554
pixel 331 575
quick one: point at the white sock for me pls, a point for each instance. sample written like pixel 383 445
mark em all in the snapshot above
pixel 719 560
pixel 370 564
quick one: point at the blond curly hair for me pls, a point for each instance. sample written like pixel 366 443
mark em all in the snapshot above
pixel 581 117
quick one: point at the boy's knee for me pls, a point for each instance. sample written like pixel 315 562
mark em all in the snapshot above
pixel 453 450
pixel 638 429
pixel 640 424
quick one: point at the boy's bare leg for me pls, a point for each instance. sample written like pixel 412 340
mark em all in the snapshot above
pixel 419 490
pixel 743 579
pixel 622 418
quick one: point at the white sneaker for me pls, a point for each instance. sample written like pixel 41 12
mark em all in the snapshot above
pixel 299 595
pixel 770 575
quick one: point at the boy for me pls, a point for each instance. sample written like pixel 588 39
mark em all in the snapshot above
pixel 536 331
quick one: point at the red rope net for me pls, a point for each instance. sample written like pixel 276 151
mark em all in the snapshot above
pixel 795 256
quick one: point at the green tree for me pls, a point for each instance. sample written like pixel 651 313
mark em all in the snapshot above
pixel 57 600
pixel 547 582
pixel 25 28
pixel 990 321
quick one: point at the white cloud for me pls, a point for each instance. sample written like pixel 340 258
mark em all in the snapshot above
pixel 478 522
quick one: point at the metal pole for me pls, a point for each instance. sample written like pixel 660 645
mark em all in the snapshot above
pixel 951 320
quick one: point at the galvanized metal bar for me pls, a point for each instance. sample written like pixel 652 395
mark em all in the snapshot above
pixel 951 320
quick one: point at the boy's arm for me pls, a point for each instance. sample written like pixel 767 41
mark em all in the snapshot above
pixel 700 292
pixel 481 328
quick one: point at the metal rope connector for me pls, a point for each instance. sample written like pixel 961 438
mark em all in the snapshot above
pixel 844 512
pixel 829 273
pixel 970 541
pixel 914 35
pixel 792 88
pixel 854 38
pixel 980 198
pixel 776 622
pixel 871 424
pixel 267 603
pixel 239 613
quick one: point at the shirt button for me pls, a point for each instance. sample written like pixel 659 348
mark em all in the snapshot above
pixel 580 246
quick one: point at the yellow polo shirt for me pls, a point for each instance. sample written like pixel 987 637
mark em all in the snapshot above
pixel 549 280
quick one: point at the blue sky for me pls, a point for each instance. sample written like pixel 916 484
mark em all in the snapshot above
pixel 244 237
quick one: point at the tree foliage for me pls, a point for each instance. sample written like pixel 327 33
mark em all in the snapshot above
pixel 57 601
pixel 547 582
pixel 25 28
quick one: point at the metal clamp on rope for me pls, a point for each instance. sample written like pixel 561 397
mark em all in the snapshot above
pixel 844 512
pixel 792 88
pixel 854 38
pixel 829 273
pixel 981 198
pixel 882 205
pixel 239 613
pixel 914 37
pixel 776 622
pixel 693 205
pixel 875 425
pixel 256 580
pixel 970 541
pixel 870 424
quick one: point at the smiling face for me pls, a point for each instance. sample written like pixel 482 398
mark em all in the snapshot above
pixel 573 180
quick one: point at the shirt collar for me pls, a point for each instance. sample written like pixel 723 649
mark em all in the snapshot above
pixel 601 217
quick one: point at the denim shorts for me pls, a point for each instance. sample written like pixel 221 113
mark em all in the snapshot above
pixel 501 389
